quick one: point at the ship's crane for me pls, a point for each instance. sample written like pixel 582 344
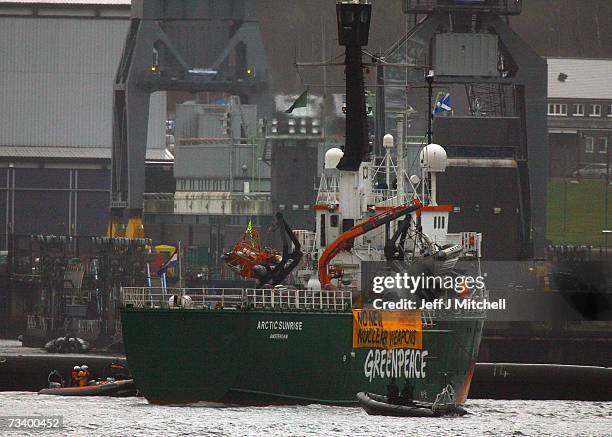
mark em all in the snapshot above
pixel 372 223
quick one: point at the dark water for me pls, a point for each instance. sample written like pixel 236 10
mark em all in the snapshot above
pixel 134 416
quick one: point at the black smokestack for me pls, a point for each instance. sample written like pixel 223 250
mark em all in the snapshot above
pixel 353 33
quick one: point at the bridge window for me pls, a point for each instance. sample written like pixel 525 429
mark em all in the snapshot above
pixel 347 224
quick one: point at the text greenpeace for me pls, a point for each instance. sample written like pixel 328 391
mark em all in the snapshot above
pixel 395 363
pixel 414 283
pixel 387 329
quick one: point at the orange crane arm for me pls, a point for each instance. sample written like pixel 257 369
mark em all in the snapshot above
pixel 372 223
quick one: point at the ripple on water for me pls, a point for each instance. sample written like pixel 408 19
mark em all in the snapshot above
pixel 134 416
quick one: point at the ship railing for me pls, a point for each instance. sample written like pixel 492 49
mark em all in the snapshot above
pixel 215 298
pixel 41 323
pixel 326 300
pixel 233 298
pixel 175 297
pixel 380 196
pixel 89 327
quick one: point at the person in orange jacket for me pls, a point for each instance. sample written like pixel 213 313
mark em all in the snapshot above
pixel 86 370
pixel 83 381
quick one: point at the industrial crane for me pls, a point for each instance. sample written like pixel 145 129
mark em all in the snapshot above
pixel 175 45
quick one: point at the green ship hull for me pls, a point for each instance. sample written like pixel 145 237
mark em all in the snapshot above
pixel 294 357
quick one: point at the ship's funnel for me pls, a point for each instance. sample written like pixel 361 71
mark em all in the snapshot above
pixel 353 33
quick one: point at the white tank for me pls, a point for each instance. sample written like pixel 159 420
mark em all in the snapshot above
pixel 333 157
pixel 174 301
pixel 187 301
pixel 433 158
pixel 314 284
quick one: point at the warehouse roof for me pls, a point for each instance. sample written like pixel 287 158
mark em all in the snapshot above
pixel 579 78
pixel 63 152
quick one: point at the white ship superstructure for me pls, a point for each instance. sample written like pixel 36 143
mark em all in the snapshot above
pixel 347 199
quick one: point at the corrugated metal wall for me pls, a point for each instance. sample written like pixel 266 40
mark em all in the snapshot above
pixel 466 54
pixel 58 201
pixel 56 76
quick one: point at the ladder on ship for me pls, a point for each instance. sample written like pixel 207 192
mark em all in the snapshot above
pixel 427 318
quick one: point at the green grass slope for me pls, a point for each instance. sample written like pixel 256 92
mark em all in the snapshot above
pixel 575 213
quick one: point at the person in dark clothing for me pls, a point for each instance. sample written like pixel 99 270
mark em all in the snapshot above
pixel 407 395
pixel 61 345
pixel 392 392
pixel 55 379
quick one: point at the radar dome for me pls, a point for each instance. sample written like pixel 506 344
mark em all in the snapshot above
pixel 333 157
pixel 388 141
pixel 433 158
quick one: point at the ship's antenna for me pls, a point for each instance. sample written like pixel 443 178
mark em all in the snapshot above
pixel 429 79
pixel 323 110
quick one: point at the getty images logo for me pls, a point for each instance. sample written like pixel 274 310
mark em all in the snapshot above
pixel 413 283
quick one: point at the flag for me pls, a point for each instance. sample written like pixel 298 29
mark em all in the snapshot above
pixel 300 102
pixel 171 263
pixel 444 104
pixel 249 233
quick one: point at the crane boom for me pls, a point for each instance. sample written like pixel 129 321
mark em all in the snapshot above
pixel 372 223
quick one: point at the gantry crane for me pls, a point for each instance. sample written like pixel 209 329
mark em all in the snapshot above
pixel 175 45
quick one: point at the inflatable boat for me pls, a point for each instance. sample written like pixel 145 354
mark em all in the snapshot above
pixel 377 405
pixel 121 388
pixel 67 344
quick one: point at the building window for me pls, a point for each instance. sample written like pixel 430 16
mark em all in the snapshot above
pixel 557 109
pixel 579 110
pixel 609 110
pixel 588 141
pixel 602 145
pixel 595 111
